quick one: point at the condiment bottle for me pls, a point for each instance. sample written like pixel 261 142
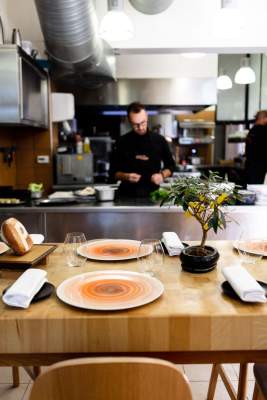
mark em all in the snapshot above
pixel 86 145
pixel 79 147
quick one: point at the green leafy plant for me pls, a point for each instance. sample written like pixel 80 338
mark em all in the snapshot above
pixel 203 199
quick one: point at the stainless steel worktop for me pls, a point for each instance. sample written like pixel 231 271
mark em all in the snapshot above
pixel 132 219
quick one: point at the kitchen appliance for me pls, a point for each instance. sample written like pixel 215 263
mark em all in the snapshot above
pixel 74 169
pixel 101 148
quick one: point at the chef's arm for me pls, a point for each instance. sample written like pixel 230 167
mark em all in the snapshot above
pixel 127 176
pixel 166 172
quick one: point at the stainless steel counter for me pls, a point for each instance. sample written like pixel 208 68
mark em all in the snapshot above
pixel 132 219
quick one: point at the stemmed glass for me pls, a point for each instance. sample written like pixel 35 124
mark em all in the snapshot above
pixel 250 249
pixel 72 241
pixel 150 256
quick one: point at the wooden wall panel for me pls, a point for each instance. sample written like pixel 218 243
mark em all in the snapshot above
pixel 7 174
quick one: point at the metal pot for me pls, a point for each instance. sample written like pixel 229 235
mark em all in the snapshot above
pixel 105 193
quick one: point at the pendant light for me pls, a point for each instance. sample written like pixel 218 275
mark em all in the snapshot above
pixel 116 25
pixel 224 82
pixel 245 74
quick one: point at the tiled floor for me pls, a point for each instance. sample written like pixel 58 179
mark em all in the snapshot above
pixel 198 375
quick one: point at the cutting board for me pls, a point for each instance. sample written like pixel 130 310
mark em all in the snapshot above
pixel 37 255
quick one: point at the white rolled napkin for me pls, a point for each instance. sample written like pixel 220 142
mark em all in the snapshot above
pixel 172 243
pixel 21 293
pixel 244 284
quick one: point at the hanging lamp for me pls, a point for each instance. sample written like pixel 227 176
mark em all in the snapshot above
pixel 116 25
pixel 224 82
pixel 245 75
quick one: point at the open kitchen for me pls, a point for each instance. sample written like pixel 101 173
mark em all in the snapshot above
pixel 122 120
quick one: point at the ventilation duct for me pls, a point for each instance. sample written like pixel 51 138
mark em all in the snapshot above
pixel 151 6
pixel 76 52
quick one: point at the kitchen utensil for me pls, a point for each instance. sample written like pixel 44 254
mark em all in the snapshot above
pixel 16 37
pixel 110 290
pixel 2 34
pixel 105 193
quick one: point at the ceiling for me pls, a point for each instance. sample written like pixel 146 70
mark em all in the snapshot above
pixel 187 25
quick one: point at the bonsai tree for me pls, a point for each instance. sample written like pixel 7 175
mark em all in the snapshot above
pixel 202 199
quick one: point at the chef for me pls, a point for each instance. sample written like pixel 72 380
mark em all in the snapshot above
pixel 141 159
pixel 256 145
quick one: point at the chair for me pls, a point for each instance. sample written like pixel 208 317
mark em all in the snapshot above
pixel 217 369
pixel 260 388
pixel 120 378
pixel 33 372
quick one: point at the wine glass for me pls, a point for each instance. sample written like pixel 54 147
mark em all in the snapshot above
pixel 73 240
pixel 250 249
pixel 150 256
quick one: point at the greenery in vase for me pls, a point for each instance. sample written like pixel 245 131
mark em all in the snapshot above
pixel 201 198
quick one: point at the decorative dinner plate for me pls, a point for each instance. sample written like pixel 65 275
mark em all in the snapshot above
pixel 258 247
pixel 112 249
pixel 110 290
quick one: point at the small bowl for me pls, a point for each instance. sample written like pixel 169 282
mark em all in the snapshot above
pixel 37 195
pixel 246 197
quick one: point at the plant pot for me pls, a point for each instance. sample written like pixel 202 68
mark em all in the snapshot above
pixel 195 263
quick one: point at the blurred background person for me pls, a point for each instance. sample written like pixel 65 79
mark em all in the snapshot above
pixel 256 150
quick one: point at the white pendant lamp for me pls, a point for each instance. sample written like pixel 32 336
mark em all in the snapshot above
pixel 224 82
pixel 116 25
pixel 245 75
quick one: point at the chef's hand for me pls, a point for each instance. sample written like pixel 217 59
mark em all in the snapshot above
pixel 132 177
pixel 157 179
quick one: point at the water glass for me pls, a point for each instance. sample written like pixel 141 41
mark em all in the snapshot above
pixel 150 256
pixel 72 241
pixel 250 250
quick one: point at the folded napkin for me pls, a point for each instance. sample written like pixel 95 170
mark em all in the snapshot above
pixel 21 293
pixel 172 243
pixel 244 284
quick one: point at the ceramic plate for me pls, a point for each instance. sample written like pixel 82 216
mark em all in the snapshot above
pixel 110 290
pixel 252 247
pixel 112 250
pixel 37 238
pixel 3 247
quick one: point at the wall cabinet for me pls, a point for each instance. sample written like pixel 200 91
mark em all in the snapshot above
pixel 24 89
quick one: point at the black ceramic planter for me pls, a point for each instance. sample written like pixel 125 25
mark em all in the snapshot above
pixel 191 262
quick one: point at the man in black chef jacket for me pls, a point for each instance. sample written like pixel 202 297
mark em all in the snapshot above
pixel 256 150
pixel 142 159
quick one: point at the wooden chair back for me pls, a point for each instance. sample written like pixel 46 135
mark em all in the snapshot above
pixel 120 378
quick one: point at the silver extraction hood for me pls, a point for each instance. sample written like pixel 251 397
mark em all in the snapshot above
pixel 77 54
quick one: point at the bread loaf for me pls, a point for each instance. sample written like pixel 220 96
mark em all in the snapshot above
pixel 16 236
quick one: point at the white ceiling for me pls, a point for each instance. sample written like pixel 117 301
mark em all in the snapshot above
pixel 187 25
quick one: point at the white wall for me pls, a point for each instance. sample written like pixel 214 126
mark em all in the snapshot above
pixel 166 66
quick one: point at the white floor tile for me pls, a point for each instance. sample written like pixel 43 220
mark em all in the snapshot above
pixel 7 392
pixel 250 371
pixel 200 390
pixel 198 372
pixel 27 393
pixel 6 375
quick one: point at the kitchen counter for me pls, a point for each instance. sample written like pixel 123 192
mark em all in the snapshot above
pixel 131 219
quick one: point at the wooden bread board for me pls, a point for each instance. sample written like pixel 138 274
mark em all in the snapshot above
pixel 36 255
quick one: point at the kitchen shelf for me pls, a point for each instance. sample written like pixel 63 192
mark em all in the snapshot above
pixel 197 124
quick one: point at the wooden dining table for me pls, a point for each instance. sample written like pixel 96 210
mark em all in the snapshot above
pixel 192 322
